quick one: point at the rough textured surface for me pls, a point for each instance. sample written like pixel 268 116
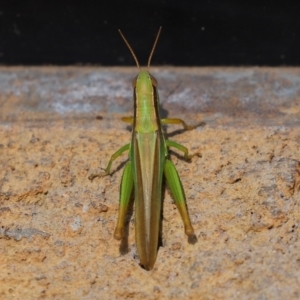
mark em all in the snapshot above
pixel 59 125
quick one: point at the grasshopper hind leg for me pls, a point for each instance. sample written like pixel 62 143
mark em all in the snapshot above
pixel 125 195
pixel 175 186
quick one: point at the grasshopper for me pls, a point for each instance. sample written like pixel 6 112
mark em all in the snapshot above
pixel 148 161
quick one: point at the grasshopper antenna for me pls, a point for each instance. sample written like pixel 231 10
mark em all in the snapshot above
pixel 153 48
pixel 130 49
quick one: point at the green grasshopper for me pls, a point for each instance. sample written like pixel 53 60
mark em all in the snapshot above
pixel 148 161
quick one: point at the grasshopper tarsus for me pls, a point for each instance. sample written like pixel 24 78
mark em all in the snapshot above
pixel 189 157
pixel 100 175
pixel 93 176
pixel 118 234
pixel 189 230
pixel 191 127
pixel 178 121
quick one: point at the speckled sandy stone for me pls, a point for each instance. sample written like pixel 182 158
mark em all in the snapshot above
pixel 59 125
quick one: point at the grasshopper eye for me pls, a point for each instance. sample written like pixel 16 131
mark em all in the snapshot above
pixel 153 80
pixel 134 82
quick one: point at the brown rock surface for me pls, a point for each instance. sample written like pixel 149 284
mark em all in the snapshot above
pixel 59 125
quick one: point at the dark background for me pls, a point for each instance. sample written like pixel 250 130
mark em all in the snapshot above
pixel 195 33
